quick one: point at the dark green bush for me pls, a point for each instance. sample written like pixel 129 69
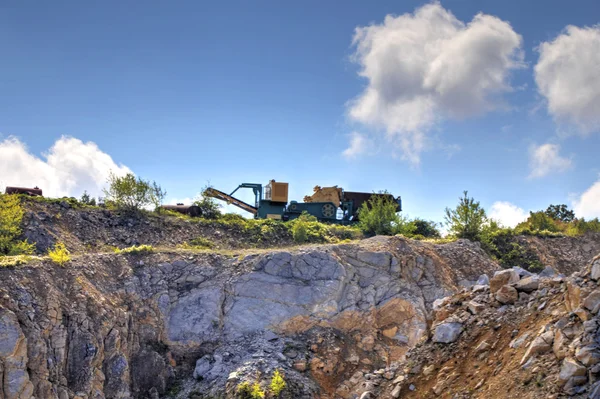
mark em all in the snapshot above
pixel 426 229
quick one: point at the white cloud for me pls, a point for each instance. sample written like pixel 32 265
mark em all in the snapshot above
pixel 588 204
pixel 426 66
pixel 359 144
pixel 545 159
pixel 568 76
pixel 67 169
pixel 509 215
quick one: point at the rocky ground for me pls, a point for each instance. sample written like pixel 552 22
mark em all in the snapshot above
pixel 385 317
pixel 518 336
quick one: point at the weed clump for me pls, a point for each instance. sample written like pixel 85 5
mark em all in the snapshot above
pixel 60 254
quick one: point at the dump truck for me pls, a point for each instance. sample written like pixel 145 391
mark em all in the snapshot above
pixel 327 204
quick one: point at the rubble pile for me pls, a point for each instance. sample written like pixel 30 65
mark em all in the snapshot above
pixel 522 335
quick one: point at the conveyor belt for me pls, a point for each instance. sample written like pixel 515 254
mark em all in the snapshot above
pixel 214 193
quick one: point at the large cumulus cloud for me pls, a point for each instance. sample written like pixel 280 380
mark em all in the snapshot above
pixel 426 66
pixel 68 168
pixel 568 76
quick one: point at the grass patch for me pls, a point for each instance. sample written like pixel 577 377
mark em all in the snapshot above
pixel 18 260
pixel 135 250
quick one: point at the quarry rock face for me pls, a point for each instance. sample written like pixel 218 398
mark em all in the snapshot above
pixel 114 326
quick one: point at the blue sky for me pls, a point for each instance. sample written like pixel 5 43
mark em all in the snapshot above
pixel 230 92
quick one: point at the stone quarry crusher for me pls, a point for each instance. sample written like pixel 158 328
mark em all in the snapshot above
pixel 328 204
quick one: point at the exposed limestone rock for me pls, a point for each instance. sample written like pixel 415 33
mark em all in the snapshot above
pixel 542 343
pixel 14 378
pixel 588 355
pixel 592 302
pixel 115 326
pixel 475 307
pixel 559 347
pixel 572 296
pixel 483 280
pixel 548 272
pixel 507 295
pixel 447 332
pixel 595 270
pixel 502 278
pixel 528 284
pixel 570 368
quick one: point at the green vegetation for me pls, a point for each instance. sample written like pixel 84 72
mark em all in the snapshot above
pixel 278 384
pixel 201 242
pixel 425 228
pixel 378 216
pixel 560 213
pixel 87 200
pixel 257 392
pixel 467 219
pixel 300 227
pixel 130 193
pixel 60 254
pixel 135 250
pixel 11 216
pixel 245 390
pixel 12 261
pixel 306 229
pixel 209 206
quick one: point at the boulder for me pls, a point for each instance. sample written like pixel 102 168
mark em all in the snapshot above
pixel 592 302
pixel 483 280
pixel 559 347
pixel 447 332
pixel 396 391
pixel 572 296
pixel 475 307
pixel 541 344
pixel 548 272
pixel 570 368
pixel 588 355
pixel 502 278
pixel 528 284
pixel 507 295
pixel 203 366
pixel 595 272
pixel 522 272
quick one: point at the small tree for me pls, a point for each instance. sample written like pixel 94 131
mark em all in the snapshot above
pixel 86 199
pixel 378 216
pixel 467 219
pixel 208 205
pixel 132 193
pixel 561 213
pixel 157 195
